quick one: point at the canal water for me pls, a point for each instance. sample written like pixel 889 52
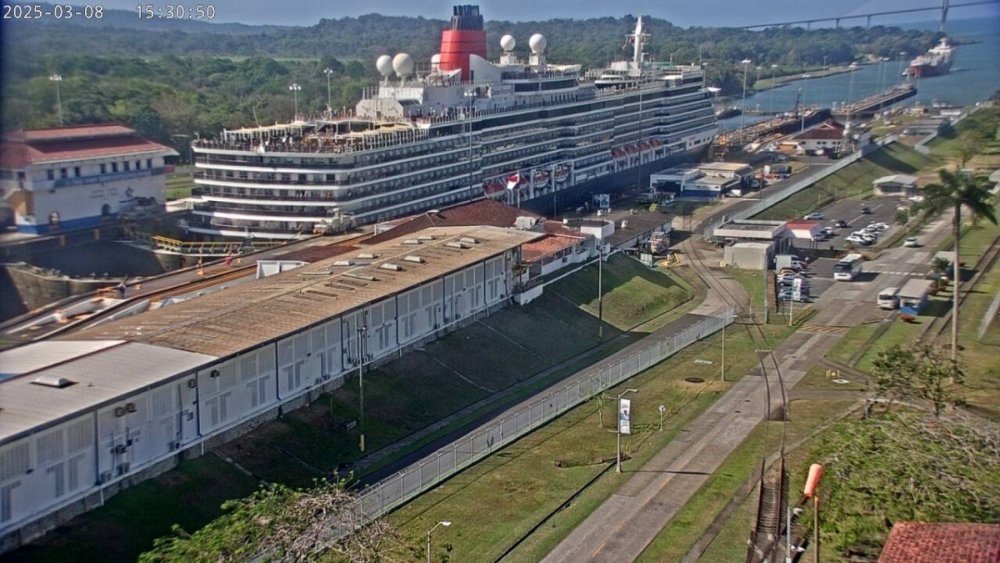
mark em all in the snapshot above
pixel 974 76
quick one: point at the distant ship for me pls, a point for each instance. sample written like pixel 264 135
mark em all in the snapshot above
pixel 527 132
pixel 935 62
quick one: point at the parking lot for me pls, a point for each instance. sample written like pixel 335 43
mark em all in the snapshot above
pixel 883 209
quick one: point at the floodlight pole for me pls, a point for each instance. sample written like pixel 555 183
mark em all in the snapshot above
pixel 362 334
pixel 600 290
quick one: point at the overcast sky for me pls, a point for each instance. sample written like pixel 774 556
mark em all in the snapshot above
pixel 681 12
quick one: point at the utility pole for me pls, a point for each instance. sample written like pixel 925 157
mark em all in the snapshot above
pixel 362 335
pixel 600 290
pixel 57 78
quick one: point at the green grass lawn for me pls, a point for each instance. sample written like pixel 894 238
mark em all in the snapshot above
pixel 178 186
pixel 632 292
pixel 808 418
pixel 845 348
pixel 854 181
pixel 530 479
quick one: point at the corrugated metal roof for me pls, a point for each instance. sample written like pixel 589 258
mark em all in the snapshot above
pixel 38 355
pixel 97 379
pixel 242 317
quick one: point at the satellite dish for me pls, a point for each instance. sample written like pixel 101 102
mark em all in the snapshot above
pixel 436 60
pixel 507 43
pixel 402 64
pixel 537 43
pixel 384 65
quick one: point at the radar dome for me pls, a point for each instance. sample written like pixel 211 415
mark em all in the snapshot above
pixel 384 65
pixel 507 43
pixel 537 43
pixel 436 59
pixel 402 64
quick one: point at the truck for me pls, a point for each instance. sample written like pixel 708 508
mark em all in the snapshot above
pixel 914 294
pixel 788 261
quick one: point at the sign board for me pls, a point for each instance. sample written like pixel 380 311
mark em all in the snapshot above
pixel 602 201
pixel 624 415
pixel 646 259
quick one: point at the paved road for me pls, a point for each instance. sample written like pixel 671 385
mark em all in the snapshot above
pixel 621 528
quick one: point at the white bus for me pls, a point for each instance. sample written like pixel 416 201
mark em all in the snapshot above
pixel 848 267
pixel 888 298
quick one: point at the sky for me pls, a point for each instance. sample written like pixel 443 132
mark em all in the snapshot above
pixel 681 12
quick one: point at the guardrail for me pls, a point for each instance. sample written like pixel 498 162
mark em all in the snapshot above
pixel 797 186
pixel 400 488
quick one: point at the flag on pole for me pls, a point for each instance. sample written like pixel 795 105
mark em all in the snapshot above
pixel 624 415
pixel 513 180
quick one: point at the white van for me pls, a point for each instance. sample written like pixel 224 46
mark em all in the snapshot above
pixel 888 298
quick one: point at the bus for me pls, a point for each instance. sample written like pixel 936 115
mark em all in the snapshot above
pixel 888 298
pixel 848 267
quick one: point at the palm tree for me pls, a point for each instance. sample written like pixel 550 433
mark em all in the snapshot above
pixel 955 191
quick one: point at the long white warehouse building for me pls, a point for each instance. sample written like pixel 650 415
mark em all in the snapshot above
pixel 87 414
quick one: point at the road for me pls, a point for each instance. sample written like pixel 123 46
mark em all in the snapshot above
pixel 625 524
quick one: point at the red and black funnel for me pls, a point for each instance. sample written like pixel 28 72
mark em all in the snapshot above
pixel 466 37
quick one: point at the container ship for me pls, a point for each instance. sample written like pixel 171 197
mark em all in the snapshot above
pixel 539 135
pixel 936 61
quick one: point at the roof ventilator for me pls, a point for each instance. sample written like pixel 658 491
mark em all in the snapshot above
pixel 392 267
pixel 414 258
pixel 53 381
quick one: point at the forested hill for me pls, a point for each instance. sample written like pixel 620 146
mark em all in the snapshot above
pixel 590 42
pixel 172 80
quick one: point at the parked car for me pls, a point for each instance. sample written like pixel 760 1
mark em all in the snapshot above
pixel 912 242
pixel 866 210
pixel 815 216
pixel 841 224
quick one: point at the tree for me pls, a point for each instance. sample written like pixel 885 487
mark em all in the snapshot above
pixel 920 372
pixel 958 190
pixel 279 523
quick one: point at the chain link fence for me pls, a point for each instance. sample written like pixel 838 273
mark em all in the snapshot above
pixel 400 488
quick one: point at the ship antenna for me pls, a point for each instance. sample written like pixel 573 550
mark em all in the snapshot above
pixel 638 43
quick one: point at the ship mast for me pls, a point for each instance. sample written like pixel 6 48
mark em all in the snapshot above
pixel 638 43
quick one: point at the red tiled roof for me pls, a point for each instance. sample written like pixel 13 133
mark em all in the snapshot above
pixel 482 212
pixel 550 244
pixel 828 130
pixel 919 542
pixel 21 148
pixel 801 224
pixel 74 132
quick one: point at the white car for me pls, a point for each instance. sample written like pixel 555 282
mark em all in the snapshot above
pixel 814 217
pixel 912 242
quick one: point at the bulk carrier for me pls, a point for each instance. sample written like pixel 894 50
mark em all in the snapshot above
pixel 534 134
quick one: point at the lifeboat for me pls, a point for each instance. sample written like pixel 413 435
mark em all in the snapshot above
pixel 562 173
pixel 540 177
pixel 656 142
pixel 493 188
pixel 618 153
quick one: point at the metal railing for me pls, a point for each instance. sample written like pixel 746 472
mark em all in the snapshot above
pixel 402 487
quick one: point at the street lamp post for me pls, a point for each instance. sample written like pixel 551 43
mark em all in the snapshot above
pixel 618 450
pixel 743 103
pixel 362 336
pixel 444 523
pixel 802 107
pixel 600 289
pixel 57 78
pixel 294 87
pixel 328 72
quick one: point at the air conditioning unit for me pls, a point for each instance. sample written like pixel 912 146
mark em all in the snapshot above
pixel 130 407
pixel 175 445
pixel 214 373
pixel 123 468
pixel 192 383
pixel 119 449
pixel 120 411
pixel 106 476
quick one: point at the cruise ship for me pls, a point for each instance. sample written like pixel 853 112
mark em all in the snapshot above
pixel 525 131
